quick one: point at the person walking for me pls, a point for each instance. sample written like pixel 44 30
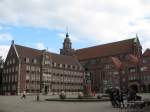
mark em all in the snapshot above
pixel 23 95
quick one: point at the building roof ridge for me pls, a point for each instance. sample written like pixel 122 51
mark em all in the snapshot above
pixel 107 43
pixel 27 47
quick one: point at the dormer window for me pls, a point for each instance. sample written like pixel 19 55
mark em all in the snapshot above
pixel 65 65
pixel 73 67
pixel 68 66
pixel 47 57
pixel 47 62
pixel 60 65
pixel 55 64
pixel 34 61
pixel 26 60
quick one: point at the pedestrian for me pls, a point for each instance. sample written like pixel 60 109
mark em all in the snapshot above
pixel 131 95
pixel 116 98
pixel 23 95
pixel 112 98
pixel 121 101
pixel 94 93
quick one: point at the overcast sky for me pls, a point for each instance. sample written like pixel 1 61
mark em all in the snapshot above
pixel 42 23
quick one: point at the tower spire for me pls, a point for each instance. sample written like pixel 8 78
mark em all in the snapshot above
pixel 67 45
pixel 67 35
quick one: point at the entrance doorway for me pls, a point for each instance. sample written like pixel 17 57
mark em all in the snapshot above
pixel 46 89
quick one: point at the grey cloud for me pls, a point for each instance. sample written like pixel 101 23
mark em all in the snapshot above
pixel 102 20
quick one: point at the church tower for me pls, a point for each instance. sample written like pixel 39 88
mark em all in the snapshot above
pixel 67 46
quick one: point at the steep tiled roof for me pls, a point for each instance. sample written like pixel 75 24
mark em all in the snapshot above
pixel 105 49
pixel 32 53
pixel 27 52
pixel 147 52
pixel 63 59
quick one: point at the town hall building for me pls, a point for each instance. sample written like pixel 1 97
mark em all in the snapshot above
pixel 118 64
pixel 33 70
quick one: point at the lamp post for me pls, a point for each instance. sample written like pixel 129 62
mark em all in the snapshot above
pixel 38 90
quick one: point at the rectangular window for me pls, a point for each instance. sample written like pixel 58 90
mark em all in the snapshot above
pixel 32 68
pixel 60 65
pixel 34 61
pixel 8 87
pixel 46 62
pixel 13 60
pixel 14 87
pixel 144 68
pixel 55 64
pixel 9 78
pixel 132 70
pixel 3 80
pixel 9 70
pixel 27 60
pixel 4 71
pixel 93 61
pixel 115 73
pixel 6 79
pixel 27 68
pixel 16 68
pixel 66 65
pixel 4 88
pixel 27 77
pixel 10 62
pixel 47 57
pixel 16 78
pixel 12 78
pixel 13 69
pixel 7 62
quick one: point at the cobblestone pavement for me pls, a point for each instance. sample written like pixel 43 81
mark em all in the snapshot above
pixel 16 104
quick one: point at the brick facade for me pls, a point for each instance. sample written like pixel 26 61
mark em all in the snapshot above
pixel 119 64
pixel 32 70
